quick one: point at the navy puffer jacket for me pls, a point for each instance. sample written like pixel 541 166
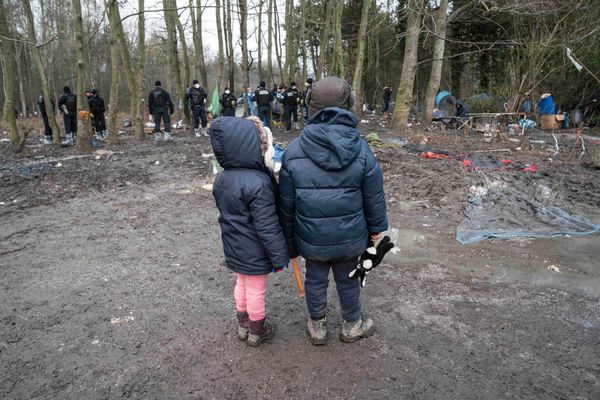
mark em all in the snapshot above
pixel 331 190
pixel 253 241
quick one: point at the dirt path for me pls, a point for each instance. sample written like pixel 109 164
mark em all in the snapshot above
pixel 113 286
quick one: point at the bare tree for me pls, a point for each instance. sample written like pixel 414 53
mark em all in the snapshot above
pixel 438 57
pixel 10 85
pixel 84 137
pixel 404 96
pixel 39 63
pixel 360 56
pixel 198 42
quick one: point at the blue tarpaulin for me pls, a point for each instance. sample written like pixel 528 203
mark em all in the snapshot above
pixel 546 106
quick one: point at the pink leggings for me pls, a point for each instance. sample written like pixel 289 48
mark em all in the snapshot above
pixel 249 295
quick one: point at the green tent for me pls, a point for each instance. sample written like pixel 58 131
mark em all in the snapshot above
pixel 215 106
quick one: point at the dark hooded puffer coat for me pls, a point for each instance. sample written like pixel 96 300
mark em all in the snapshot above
pixel 253 241
pixel 331 190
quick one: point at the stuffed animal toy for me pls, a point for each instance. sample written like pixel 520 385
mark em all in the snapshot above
pixel 371 258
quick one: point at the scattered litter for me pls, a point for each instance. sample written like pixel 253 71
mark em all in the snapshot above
pixel 2 203
pixel 208 186
pixel 96 341
pixel 121 320
pixel 395 250
pixel 156 162
pixel 553 268
pixel 4 139
pixel 207 155
pixel 104 152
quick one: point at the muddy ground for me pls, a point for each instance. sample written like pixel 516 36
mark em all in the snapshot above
pixel 113 284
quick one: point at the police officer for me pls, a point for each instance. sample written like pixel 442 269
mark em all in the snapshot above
pixel 97 109
pixel 228 102
pixel 160 106
pixel 387 96
pixel 47 128
pixel 67 103
pixel 263 99
pixel 196 95
pixel 290 106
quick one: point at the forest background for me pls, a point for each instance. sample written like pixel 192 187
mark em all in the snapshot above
pixel 512 50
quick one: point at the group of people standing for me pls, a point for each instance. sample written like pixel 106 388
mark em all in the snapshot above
pixel 67 105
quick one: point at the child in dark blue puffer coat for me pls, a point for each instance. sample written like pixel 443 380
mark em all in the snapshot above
pixel 253 241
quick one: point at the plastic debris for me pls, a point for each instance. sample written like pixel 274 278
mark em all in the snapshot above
pixel 553 268
pixel 120 320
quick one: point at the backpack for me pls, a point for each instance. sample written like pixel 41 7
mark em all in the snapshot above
pixel 158 98
pixel 71 102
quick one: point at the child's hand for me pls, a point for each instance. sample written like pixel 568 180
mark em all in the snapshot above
pixel 375 236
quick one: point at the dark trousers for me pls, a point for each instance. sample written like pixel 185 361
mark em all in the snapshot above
pixel 166 117
pixel 288 112
pixel 70 122
pixel 99 122
pixel 264 114
pixel 199 114
pixel 386 106
pixel 317 281
pixel 228 112
pixel 47 129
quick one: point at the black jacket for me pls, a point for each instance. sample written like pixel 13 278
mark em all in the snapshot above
pixel 387 93
pixel 331 190
pixel 196 97
pixel 228 101
pixel 263 97
pixel 69 101
pixel 96 104
pixel 159 100
pixel 290 97
pixel 253 241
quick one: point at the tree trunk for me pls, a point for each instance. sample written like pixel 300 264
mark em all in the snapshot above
pixel 186 65
pixel 10 85
pixel 243 13
pixel 360 58
pixel 140 108
pixel 114 87
pixel 198 42
pixel 301 42
pixel 337 58
pixel 291 59
pixel 270 43
pixel 134 87
pixel 39 63
pixel 407 78
pixel 324 41
pixel 84 135
pixel 436 66
pixel 259 34
pixel 220 56
pixel 230 55
pixel 277 35
pixel 174 70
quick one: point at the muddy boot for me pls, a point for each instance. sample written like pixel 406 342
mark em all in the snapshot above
pixel 157 137
pixel 204 132
pixel 353 331
pixel 105 134
pixel 98 136
pixel 47 139
pixel 317 330
pixel 243 320
pixel 260 331
pixel 168 137
pixel 296 126
pixel 197 132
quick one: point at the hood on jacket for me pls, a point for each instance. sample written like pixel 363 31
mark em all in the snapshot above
pixel 331 139
pixel 235 143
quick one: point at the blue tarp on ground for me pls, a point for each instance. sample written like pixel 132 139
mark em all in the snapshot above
pixel 501 210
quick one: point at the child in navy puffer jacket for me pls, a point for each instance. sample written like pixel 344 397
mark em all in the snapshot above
pixel 253 241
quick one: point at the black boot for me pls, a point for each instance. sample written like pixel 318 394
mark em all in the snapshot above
pixel 260 331
pixel 243 320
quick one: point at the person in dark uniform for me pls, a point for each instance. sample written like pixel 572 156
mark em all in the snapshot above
pixel 387 96
pixel 160 106
pixel 263 99
pixel 290 106
pixel 228 102
pixel 196 95
pixel 97 109
pixel 307 89
pixel 67 103
pixel 47 128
